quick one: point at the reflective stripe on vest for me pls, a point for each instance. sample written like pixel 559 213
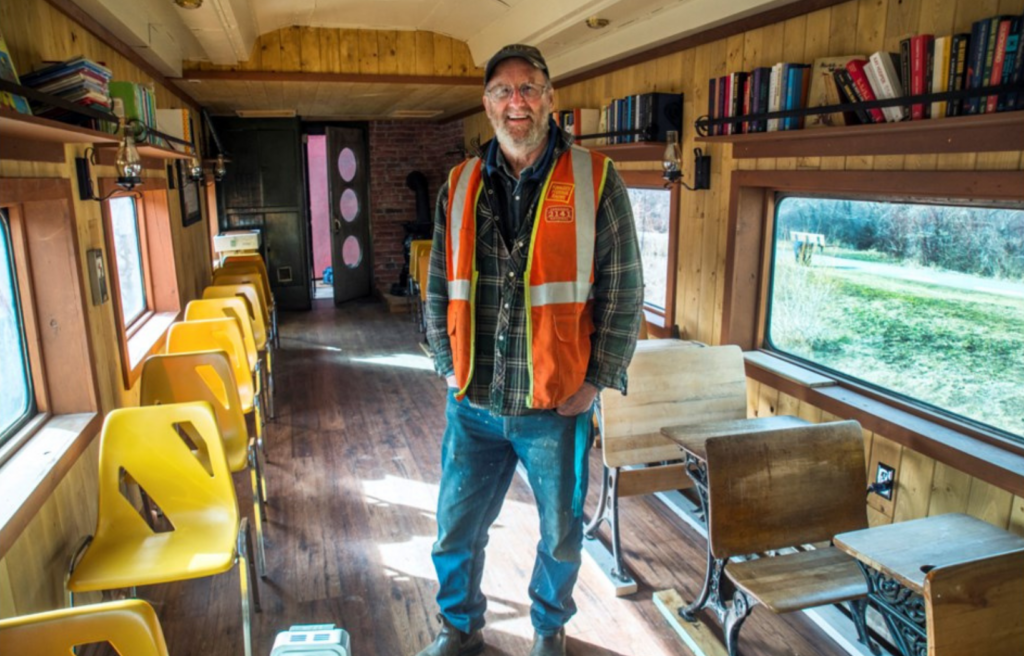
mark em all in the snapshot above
pixel 558 278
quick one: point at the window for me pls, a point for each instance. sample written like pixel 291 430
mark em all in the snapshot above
pixel 142 267
pixel 131 276
pixel 655 213
pixel 17 401
pixel 921 299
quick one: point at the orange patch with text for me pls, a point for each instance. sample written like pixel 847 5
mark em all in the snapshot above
pixel 560 214
pixel 560 192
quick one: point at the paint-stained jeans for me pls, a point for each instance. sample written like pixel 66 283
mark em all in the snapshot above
pixel 478 460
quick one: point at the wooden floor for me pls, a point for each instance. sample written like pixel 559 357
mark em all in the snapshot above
pixel 353 472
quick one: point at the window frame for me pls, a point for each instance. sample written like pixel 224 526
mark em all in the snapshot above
pixel 11 433
pixel 131 327
pixel 661 323
pixel 975 450
pixel 146 334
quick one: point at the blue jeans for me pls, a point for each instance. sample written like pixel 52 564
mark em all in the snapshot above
pixel 478 461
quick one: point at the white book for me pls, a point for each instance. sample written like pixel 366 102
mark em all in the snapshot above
pixel 885 82
pixel 775 95
pixel 940 72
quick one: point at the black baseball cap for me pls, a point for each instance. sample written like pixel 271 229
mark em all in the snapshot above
pixel 520 50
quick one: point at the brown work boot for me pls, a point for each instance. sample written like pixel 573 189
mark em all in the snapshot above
pixel 549 645
pixel 452 642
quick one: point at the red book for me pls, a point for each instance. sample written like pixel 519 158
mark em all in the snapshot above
pixel 920 48
pixel 864 90
pixel 746 103
pixel 998 59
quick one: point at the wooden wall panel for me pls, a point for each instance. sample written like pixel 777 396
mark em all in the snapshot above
pixel 31 574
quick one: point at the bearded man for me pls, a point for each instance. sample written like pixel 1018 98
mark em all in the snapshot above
pixel 533 307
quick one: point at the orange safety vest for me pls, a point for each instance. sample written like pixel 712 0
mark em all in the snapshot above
pixel 558 278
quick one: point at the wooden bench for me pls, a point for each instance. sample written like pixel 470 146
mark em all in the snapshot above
pixel 670 382
pixel 778 490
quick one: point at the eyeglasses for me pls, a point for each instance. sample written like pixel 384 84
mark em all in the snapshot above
pixel 503 92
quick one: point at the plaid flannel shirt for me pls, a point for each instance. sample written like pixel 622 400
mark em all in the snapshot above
pixel 500 381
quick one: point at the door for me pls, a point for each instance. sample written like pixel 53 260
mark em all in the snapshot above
pixel 263 190
pixel 350 213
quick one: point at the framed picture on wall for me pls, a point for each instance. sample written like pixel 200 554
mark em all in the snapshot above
pixel 191 210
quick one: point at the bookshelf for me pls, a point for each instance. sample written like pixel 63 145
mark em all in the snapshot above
pixel 958 134
pixel 643 151
pixel 25 137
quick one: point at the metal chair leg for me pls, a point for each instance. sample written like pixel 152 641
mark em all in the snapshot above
pixel 734 618
pixel 246 572
pixel 258 510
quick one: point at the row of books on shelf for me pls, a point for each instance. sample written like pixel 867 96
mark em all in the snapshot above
pixel 641 117
pixel 989 56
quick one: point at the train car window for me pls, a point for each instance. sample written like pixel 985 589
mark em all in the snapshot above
pixel 131 276
pixel 17 402
pixel 921 301
pixel 652 213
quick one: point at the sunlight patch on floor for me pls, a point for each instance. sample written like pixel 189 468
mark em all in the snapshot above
pixel 404 360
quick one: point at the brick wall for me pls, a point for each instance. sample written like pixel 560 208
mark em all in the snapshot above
pixel 397 148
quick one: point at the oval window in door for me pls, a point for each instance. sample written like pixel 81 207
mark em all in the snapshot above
pixel 347 164
pixel 351 252
pixel 349 205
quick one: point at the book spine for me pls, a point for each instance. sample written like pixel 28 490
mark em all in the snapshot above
pixel 745 126
pixel 992 32
pixel 995 77
pixel 939 74
pixel 906 65
pixel 883 79
pixel 1018 69
pixel 958 52
pixel 919 45
pixel 1013 53
pixel 762 94
pixel 712 104
pixel 848 94
pixel 723 93
pixel 976 64
pixel 774 99
pixel 857 68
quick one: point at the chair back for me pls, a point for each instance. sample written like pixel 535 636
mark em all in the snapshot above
pixel 231 277
pixel 216 335
pixel 129 625
pixel 200 376
pixel 672 382
pixel 195 492
pixel 785 487
pixel 249 267
pixel 232 308
pixel 251 298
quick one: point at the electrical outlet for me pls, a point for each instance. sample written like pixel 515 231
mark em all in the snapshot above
pixel 884 481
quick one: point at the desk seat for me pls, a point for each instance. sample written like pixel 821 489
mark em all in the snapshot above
pixel 800 580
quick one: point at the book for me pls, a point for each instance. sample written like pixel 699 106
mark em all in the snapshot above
pixel 905 58
pixel 919 82
pixel 848 94
pixel 713 104
pixel 1012 53
pixel 7 71
pixel 885 82
pixel 857 68
pixel 940 73
pixel 737 84
pixel 775 95
pixel 995 76
pixel 976 65
pixel 824 92
pixel 759 78
pixel 959 49
pixel 797 79
pixel 585 121
pixel 1016 98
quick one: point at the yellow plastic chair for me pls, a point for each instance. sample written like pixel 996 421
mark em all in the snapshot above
pixel 206 538
pixel 419 265
pixel 255 261
pixel 129 625
pixel 234 308
pixel 249 272
pixel 221 335
pixel 233 277
pixel 207 376
pixel 251 298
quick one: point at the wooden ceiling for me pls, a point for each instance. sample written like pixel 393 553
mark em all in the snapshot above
pixel 342 74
